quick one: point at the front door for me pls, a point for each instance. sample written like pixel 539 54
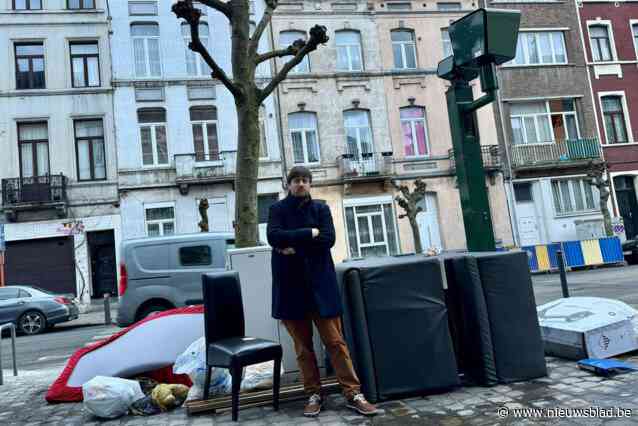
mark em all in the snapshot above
pixel 528 230
pixel 428 220
pixel 103 265
pixel 627 204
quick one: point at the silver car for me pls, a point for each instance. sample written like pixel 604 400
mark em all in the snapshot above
pixel 33 310
pixel 160 273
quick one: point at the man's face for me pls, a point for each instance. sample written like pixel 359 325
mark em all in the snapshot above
pixel 300 186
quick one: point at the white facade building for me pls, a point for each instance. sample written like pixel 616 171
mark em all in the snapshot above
pixel 177 127
pixel 58 164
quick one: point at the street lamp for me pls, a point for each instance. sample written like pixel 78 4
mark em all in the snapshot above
pixel 480 40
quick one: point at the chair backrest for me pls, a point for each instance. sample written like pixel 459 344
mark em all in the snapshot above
pixel 223 306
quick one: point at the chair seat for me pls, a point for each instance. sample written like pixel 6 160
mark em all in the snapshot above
pixel 242 351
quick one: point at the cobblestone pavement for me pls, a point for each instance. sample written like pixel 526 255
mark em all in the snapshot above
pixel 22 403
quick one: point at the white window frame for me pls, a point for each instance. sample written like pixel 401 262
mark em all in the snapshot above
pixel 446 41
pixel 413 121
pixel 153 127
pixel 154 3
pixel 366 112
pixel 304 140
pixel 536 125
pixel 634 36
pixel 371 201
pixel 612 42
pixel 305 61
pixel 263 134
pixel 526 55
pixel 160 222
pixel 201 67
pixel 147 57
pixel 572 199
pixel 625 111
pixel 347 47
pixel 203 124
pixel 404 56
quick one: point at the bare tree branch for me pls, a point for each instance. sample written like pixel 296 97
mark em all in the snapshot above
pixel 271 5
pixel 185 9
pixel 280 53
pixel 317 36
pixel 219 6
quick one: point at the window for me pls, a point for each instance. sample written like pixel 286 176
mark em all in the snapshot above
pixel 29 65
pixel 146 49
pixel 399 5
pixel 152 94
pixel 447 43
pixel 204 124
pixel 9 293
pixel 195 64
pixel 303 135
pixel 33 140
pixel 358 133
pixel 540 48
pixel 89 145
pixel 634 29
pixel 27 4
pixel 264 202
pixel 544 122
pixel 286 38
pixel 201 92
pixel 446 7
pixel 600 44
pixel 263 140
pixel 523 192
pixel 371 230
pixel 614 117
pixel 142 8
pixel 160 220
pixel 85 64
pixel 413 127
pixel 152 123
pixel 80 4
pixel 573 196
pixel 404 49
pixel 195 256
pixel 349 51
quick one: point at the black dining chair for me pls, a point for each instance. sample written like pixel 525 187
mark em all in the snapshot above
pixel 226 343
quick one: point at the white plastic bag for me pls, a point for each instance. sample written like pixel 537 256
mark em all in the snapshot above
pixel 193 362
pixel 258 376
pixel 110 397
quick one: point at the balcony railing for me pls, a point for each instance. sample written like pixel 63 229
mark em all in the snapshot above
pixel 556 153
pixel 366 165
pixel 33 191
pixel 490 154
pixel 203 167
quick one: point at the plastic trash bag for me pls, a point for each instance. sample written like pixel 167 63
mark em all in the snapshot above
pixel 167 397
pixel 110 397
pixel 258 376
pixel 193 362
pixel 145 407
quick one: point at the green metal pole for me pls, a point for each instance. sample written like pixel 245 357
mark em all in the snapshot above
pixel 475 204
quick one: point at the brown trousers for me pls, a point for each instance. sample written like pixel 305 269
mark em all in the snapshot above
pixel 332 338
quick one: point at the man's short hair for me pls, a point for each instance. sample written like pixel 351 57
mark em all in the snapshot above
pixel 299 172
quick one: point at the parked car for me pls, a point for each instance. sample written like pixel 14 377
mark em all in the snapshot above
pixel 630 251
pixel 33 310
pixel 161 273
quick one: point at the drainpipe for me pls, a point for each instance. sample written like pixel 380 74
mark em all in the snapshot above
pixel 280 124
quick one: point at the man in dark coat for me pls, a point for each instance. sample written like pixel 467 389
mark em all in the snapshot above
pixel 304 289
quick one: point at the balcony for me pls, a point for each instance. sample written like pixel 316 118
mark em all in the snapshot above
pixel 197 168
pixel 490 154
pixel 372 166
pixel 556 154
pixel 34 193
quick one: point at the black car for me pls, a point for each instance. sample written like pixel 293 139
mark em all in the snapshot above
pixel 630 250
pixel 33 310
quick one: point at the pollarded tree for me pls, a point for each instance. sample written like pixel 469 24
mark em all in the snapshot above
pixel 409 202
pixel 598 178
pixel 248 95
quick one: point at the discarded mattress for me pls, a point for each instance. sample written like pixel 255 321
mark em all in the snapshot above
pixel 149 345
pixel 588 327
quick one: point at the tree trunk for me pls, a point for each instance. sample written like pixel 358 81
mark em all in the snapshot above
pixel 247 173
pixel 416 234
pixel 604 197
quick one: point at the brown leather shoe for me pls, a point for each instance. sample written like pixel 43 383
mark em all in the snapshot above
pixel 313 407
pixel 359 404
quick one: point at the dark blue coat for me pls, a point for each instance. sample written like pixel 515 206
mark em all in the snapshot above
pixel 305 280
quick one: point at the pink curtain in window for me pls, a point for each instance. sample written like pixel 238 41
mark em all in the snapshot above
pixel 420 137
pixel 407 138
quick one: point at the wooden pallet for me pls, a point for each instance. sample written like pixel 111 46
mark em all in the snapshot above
pixel 287 393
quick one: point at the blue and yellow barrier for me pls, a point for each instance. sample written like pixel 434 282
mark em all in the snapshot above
pixel 600 251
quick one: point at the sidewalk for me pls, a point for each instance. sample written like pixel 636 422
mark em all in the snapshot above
pixel 94 314
pixel 567 387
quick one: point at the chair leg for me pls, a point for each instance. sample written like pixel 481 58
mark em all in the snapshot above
pixel 275 384
pixel 235 372
pixel 207 382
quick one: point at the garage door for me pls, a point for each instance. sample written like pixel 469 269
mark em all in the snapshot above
pixel 46 263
